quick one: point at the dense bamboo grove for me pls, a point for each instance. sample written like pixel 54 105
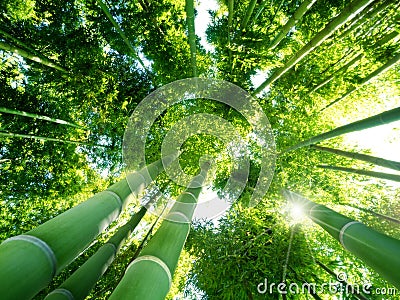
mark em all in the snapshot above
pixel 87 212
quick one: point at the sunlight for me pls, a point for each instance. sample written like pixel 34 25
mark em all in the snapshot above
pixel 297 213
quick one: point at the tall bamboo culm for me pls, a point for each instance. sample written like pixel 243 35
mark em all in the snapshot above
pixel 395 165
pixel 149 276
pixel 79 284
pixel 377 120
pixel 40 254
pixel 379 251
pixel 381 175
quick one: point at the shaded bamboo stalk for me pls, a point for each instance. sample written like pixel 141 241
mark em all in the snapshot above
pixel 259 11
pixel 341 70
pixel 230 20
pixel 388 218
pixel 298 14
pixel 379 251
pixel 189 7
pixel 131 248
pixel 363 157
pixel 46 139
pixel 364 17
pixel 80 283
pixel 36 116
pixel 121 33
pixel 43 252
pixel 249 12
pixel 149 277
pixel 380 175
pixel 377 120
pixel 346 15
pixel 382 69
pixel 19 43
pixel 42 60
pixel 387 38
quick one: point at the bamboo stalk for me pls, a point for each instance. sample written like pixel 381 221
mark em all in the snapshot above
pixel 381 175
pixel 340 71
pixel 121 33
pixel 149 276
pixel 189 7
pixel 346 15
pixel 249 12
pixel 42 60
pixel 377 120
pixel 80 283
pixel 19 43
pixel 388 218
pixel 298 14
pixel 387 38
pixel 363 157
pixel 260 10
pixel 382 69
pixel 36 116
pixel 46 139
pixel 43 252
pixel 366 16
pixel 379 251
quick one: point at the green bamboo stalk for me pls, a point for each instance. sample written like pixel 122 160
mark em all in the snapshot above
pixel 346 15
pixel 230 14
pixel 247 17
pixel 298 14
pixel 147 236
pixel 38 255
pixel 338 72
pixel 189 7
pixel 43 138
pixel 364 17
pixel 377 250
pixel 149 276
pixel 19 43
pixel 382 69
pixel 380 119
pixel 36 116
pixel 260 10
pixel 388 218
pixel 42 60
pixel 230 19
pixel 381 175
pixel 363 157
pixel 80 283
pixel 121 33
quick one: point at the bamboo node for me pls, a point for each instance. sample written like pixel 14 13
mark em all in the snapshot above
pixel 343 229
pixel 41 245
pixel 313 207
pixel 117 197
pixel 184 219
pixel 64 292
pixel 158 261
pixel 141 175
pixel 191 194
